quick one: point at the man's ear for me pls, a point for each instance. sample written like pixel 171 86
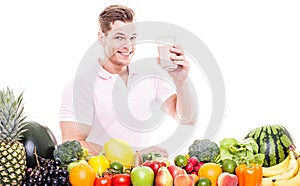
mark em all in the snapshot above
pixel 100 37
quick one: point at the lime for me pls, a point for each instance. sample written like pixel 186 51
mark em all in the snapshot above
pixel 203 182
pixel 229 166
pixel 180 161
pixel 117 166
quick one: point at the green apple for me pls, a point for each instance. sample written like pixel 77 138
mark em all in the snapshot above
pixel 142 175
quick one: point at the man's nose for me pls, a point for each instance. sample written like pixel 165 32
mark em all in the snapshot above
pixel 127 43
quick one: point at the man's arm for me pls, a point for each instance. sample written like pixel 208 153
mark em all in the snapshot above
pixel 73 131
pixel 183 106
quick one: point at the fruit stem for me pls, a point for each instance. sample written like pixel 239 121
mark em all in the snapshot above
pixel 36 158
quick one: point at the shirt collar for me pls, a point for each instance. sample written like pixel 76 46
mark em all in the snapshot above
pixel 104 74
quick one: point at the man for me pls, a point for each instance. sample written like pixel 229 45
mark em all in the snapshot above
pixel 99 114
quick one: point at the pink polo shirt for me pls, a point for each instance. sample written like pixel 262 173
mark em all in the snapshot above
pixel 114 109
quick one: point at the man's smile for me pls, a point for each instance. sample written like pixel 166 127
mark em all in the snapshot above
pixel 125 53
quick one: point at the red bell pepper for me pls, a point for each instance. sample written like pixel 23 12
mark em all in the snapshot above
pixel 249 175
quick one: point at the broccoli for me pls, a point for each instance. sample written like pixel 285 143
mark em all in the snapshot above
pixel 68 152
pixel 205 150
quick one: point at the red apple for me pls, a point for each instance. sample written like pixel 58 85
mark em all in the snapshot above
pixel 154 165
pixel 147 163
pixel 184 180
pixel 175 170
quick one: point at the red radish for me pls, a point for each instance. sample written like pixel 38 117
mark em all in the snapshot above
pixel 193 160
pixel 189 167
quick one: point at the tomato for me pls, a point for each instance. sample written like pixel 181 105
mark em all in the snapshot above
pixel 102 181
pixel 121 180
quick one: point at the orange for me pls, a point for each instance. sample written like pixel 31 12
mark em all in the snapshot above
pixel 211 171
pixel 99 163
pixel 82 174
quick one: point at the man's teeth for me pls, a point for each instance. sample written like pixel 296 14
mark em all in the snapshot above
pixel 125 53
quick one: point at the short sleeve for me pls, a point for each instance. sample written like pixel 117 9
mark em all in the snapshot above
pixel 78 95
pixel 66 109
pixel 75 106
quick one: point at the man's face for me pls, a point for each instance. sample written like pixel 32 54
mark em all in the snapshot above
pixel 119 43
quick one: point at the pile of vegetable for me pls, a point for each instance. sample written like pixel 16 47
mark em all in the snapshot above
pixel 229 162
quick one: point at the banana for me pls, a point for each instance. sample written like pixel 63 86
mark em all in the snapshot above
pixel 290 171
pixel 297 153
pixel 293 181
pixel 276 169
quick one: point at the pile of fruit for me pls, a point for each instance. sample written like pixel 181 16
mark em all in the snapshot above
pixel 30 155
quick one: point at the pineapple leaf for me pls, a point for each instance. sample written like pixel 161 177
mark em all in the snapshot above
pixel 11 116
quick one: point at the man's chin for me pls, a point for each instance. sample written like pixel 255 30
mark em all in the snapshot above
pixel 123 62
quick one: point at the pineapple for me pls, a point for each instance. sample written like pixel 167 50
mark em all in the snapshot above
pixel 12 151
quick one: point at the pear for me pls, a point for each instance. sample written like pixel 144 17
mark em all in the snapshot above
pixel 163 177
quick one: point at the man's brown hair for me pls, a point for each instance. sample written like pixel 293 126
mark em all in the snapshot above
pixel 114 13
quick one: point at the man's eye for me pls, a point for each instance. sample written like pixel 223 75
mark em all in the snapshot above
pixel 119 37
pixel 133 38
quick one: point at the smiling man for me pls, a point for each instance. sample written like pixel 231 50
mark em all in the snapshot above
pixel 120 88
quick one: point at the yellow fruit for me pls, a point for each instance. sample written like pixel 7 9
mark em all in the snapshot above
pixel 119 151
pixel 82 174
pixel 211 171
pixel 99 163
pixel 187 156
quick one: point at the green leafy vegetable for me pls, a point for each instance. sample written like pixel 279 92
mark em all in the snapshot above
pixel 242 152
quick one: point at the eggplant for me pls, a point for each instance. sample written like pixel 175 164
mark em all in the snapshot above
pixel 38 138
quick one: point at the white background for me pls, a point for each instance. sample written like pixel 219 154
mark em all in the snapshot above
pixel 256 44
